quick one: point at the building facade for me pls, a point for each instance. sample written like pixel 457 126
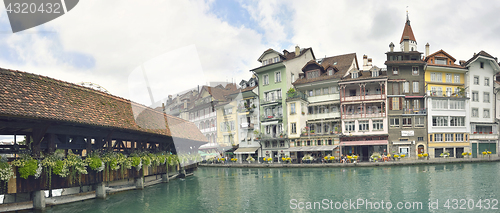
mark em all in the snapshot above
pixel 448 106
pixel 406 90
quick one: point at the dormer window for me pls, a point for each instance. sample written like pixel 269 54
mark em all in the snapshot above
pixel 276 59
pixel 440 61
pixel 252 83
pixel 354 75
pixel 265 62
pixel 330 71
pixel 244 86
pixel 312 74
pixel 375 73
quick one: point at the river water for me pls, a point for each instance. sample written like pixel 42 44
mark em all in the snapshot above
pixel 368 189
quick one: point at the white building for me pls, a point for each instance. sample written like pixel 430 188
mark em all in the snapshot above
pixel 482 68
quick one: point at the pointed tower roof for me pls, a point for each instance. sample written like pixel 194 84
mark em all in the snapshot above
pixel 407 31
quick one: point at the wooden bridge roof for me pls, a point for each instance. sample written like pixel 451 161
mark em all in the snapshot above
pixel 30 96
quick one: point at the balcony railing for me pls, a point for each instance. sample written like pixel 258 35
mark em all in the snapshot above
pixel 273 136
pixel 246 126
pixel 243 109
pixel 318 133
pixel 367 115
pixel 446 94
pixel 270 100
pixel 296 94
pixel 420 111
pixel 271 117
pixel 364 97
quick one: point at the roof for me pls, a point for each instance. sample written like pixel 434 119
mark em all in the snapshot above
pixel 286 56
pixel 438 52
pixel 42 98
pixel 341 63
pixel 407 31
pixel 481 53
pixel 366 75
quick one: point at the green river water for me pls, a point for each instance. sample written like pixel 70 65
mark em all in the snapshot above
pixel 405 188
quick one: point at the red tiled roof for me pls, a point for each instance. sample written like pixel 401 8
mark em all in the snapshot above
pixel 33 96
pixel 407 31
pixel 341 63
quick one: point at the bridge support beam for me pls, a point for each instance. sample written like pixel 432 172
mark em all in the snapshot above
pixel 39 200
pixel 139 183
pixel 100 191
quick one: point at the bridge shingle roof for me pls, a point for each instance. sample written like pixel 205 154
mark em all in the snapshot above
pixel 34 96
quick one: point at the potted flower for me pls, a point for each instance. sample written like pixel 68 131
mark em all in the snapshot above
pixel 307 159
pixel 336 130
pixel 396 157
pixel 426 155
pixel 303 113
pixel 234 160
pixel 445 154
pixel 403 155
pixel 250 159
pixel 375 157
pixel 312 132
pixel 332 158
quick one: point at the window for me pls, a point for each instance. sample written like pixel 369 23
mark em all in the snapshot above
pixel 481 65
pixel 486 97
pixel 395 104
pixel 475 113
pixel 457 121
pixel 228 111
pixel 363 126
pixel 457 79
pixel 475 96
pixel 420 138
pixel 330 71
pixel 378 125
pixel 318 92
pixel 349 126
pixel 414 70
pixel 439 121
pixel 448 78
pixel 459 137
pixel 448 91
pixel 419 121
pixel 375 73
pixel 278 94
pixel 416 104
pixel 486 81
pixel 394 122
pixel 486 113
pixel 476 80
pixel 395 70
pixel 266 80
pixel 407 122
pixel 310 94
pixel 438 137
pixel 277 78
pixel 435 76
pixel 448 137
pixel 440 61
pixel 439 104
pixel 325 91
pixel 406 87
pixel 335 90
pixel 276 59
pixel 294 128
pixel 292 108
pixel 312 74
pixel 415 87
pixel 454 104
pixel 354 75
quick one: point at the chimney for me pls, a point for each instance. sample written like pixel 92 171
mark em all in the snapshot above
pixel 365 60
pixel 370 62
pixel 406 44
pixel 297 50
pixel 391 46
pixel 462 62
pixel 427 50
pixel 163 106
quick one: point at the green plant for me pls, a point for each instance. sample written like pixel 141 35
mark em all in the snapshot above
pixel 6 173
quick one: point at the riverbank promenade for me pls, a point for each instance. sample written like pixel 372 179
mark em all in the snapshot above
pixel 402 162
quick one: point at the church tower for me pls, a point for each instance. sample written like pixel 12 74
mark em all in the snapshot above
pixel 408 41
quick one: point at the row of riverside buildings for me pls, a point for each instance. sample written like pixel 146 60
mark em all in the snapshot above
pixel 296 104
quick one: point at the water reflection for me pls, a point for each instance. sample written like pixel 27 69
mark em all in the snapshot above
pixel 271 190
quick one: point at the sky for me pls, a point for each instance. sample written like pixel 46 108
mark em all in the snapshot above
pixel 178 45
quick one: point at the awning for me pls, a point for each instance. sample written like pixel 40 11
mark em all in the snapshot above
pixel 364 143
pixel 311 148
pixel 246 150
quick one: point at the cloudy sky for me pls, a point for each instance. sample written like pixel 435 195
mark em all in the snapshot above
pixel 185 43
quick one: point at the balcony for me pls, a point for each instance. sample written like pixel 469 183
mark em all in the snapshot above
pixel 322 98
pixel 244 110
pixel 318 133
pixel 448 94
pixel 271 118
pixel 420 111
pixel 320 116
pixel 270 100
pixel 296 95
pixel 246 126
pixel 367 115
pixel 364 97
pixel 273 136
pixel 484 136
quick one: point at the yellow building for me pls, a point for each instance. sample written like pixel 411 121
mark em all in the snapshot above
pixel 227 129
pixel 447 106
